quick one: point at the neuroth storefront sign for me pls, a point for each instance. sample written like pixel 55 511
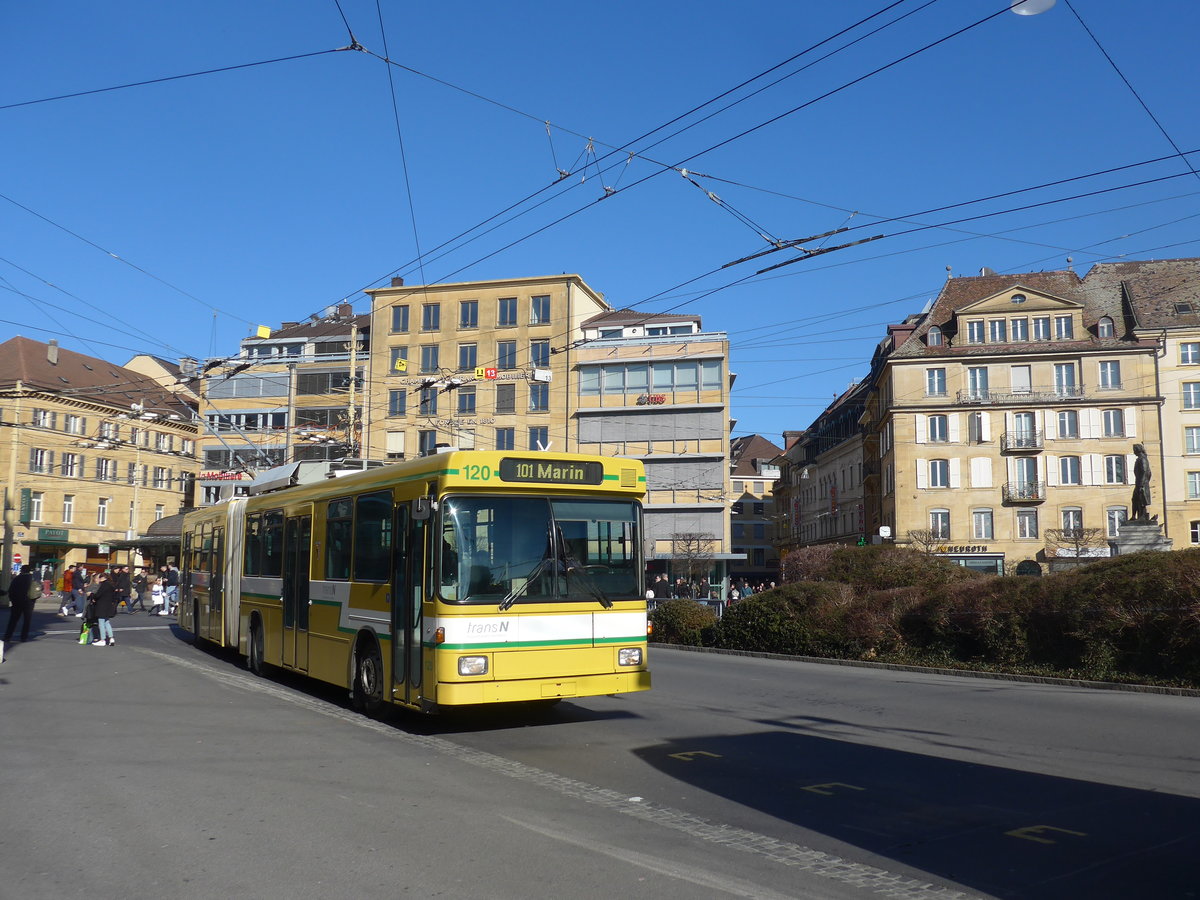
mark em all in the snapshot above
pixel 961 548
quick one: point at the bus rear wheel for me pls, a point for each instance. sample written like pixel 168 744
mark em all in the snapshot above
pixel 254 652
pixel 367 691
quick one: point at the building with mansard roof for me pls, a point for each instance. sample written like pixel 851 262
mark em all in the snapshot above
pixel 1004 420
pixel 92 454
pixel 753 514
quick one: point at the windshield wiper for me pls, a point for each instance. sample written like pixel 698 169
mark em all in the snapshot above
pixel 511 597
pixel 589 585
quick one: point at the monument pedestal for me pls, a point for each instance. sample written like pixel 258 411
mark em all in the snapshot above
pixel 1138 537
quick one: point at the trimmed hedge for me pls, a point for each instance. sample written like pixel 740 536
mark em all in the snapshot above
pixel 1133 618
pixel 682 621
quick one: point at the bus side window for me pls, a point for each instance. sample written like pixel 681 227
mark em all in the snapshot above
pixel 338 534
pixel 253 549
pixel 372 536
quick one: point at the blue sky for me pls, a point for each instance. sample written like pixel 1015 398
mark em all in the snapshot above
pixel 269 192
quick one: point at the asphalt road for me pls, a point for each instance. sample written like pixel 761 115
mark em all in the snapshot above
pixel 154 769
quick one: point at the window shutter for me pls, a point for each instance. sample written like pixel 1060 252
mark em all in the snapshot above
pixel 955 428
pixel 921 423
pixel 1093 469
pixel 985 427
pixel 922 473
pixel 1050 424
pixel 955 473
pixel 1052 470
pixel 981 472
pixel 1130 460
pixel 1091 422
pixel 1131 421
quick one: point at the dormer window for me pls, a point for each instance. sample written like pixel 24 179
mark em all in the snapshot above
pixel 933 337
pixel 975 332
pixel 1064 328
pixel 1104 328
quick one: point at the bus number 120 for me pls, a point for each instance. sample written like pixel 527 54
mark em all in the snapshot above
pixel 478 473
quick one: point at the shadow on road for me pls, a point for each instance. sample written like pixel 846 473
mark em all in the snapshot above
pixel 463 720
pixel 1015 835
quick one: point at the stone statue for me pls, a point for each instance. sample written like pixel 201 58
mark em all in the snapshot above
pixel 1141 485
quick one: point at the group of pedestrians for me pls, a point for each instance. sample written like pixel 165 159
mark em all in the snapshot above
pixel 94 598
pixel 97 599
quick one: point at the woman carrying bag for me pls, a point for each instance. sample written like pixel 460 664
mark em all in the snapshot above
pixel 104 605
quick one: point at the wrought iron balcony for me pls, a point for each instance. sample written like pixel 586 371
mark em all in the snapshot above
pixel 1021 440
pixel 1041 395
pixel 1024 491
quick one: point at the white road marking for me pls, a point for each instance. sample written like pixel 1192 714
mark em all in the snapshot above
pixel 871 879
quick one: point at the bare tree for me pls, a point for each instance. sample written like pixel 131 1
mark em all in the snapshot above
pixel 1075 542
pixel 692 552
pixel 924 539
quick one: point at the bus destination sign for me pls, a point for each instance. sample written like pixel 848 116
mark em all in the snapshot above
pixel 554 471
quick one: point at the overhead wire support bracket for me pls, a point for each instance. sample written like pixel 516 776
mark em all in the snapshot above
pixel 784 245
pixel 809 254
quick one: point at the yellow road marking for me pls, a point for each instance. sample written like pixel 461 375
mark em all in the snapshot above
pixel 1031 832
pixel 819 788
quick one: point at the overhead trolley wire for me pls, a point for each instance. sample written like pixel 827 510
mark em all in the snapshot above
pixel 166 78
pixel 1132 89
pixel 121 259
pixel 618 149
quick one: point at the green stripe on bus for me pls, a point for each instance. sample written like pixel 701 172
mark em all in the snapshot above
pixel 522 645
pixel 525 645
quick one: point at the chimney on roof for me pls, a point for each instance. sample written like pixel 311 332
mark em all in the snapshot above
pixel 283 325
pixel 345 310
pixel 52 352
pixel 397 281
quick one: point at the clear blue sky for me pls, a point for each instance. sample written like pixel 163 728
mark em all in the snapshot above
pixel 269 192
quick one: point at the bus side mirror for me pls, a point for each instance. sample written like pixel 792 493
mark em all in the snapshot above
pixel 422 509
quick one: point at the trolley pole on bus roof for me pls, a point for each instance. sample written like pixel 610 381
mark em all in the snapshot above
pixel 351 445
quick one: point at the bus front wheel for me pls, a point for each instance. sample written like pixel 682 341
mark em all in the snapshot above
pixel 367 692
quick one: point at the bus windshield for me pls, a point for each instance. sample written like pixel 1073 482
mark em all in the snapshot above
pixel 506 550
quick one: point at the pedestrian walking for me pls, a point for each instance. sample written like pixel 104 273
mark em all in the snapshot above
pixel 79 580
pixel 104 603
pixel 141 587
pixel 158 597
pixel 122 585
pixel 23 592
pixel 171 586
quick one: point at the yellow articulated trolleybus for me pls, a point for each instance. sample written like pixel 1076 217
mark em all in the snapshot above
pixel 465 577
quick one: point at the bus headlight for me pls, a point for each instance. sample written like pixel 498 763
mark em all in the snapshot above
pixel 629 656
pixel 472 665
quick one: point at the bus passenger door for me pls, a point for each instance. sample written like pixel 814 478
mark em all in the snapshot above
pixel 216 589
pixel 297 540
pixel 406 605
